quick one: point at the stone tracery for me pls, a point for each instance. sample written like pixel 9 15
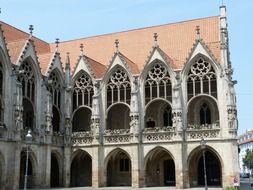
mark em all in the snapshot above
pixel 201 79
pixel 118 88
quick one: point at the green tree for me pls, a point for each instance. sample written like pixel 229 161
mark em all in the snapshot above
pixel 248 159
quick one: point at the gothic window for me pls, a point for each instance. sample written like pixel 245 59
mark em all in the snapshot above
pixel 167 117
pixel 205 114
pixel 118 88
pixel 1 91
pixel 201 79
pixel 83 91
pixel 27 79
pixel 54 88
pixel 158 84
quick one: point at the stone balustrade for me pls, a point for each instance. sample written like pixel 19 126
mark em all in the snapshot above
pixel 207 131
pixel 116 136
pixel 82 138
pixel 158 134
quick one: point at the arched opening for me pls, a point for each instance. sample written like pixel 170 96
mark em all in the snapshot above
pixel 157 83
pixel 203 110
pixel 118 87
pixel 213 169
pixel 28 114
pixel 56 120
pixel 81 120
pixel 82 91
pixel 158 114
pixel 54 87
pixel 30 170
pixel 201 78
pixel 55 172
pixel 81 170
pixel 118 117
pixel 119 169
pixel 159 168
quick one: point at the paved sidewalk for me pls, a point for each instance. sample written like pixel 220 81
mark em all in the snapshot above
pixel 129 188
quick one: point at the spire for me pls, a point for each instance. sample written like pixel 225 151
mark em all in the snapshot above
pixel 81 49
pixel 67 71
pixel 57 42
pixel 117 45
pixel 31 30
pixel 155 39
pixel 223 17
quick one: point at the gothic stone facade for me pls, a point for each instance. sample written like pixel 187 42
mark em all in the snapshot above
pixel 135 119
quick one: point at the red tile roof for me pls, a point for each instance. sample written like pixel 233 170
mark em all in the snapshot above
pixel 175 41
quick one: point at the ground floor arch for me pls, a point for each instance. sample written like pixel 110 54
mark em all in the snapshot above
pixel 118 169
pixel 55 171
pixel 213 168
pixel 159 168
pixel 30 169
pixel 81 170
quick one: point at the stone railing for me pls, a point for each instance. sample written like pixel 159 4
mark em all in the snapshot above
pixel 57 138
pixel 82 138
pixel 158 134
pixel 117 136
pixel 206 131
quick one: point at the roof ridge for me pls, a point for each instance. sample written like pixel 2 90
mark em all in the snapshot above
pixel 2 22
pixel 135 29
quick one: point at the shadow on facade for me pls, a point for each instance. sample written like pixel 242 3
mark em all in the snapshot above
pixel 81 170
pixel 119 169
pixel 213 169
pixel 160 168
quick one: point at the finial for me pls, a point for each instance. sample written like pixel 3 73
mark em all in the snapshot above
pixel 198 31
pixel 117 45
pixel 222 2
pixel 57 41
pixel 67 61
pixel 0 10
pixel 81 48
pixel 31 29
pixel 155 38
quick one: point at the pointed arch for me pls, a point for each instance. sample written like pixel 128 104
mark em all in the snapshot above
pixel 83 90
pixel 200 75
pixel 202 110
pixel 118 86
pixel 214 167
pixel 32 168
pixel 55 83
pixel 159 167
pixel 157 81
pixel 56 169
pixel 118 168
pixel 81 169
pixel 118 116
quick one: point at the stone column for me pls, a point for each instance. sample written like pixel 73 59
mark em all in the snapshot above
pixel 66 166
pixel 95 118
pixel 18 112
pixel 13 165
pixel 97 167
pixel 134 113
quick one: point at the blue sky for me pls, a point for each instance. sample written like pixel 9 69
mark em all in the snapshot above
pixel 67 19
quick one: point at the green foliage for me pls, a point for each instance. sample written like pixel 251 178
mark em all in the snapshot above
pixel 233 188
pixel 248 159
